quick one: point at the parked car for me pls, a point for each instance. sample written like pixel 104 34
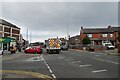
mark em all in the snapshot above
pixel 109 46
pixel 33 50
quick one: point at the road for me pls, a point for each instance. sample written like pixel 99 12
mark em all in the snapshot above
pixel 67 64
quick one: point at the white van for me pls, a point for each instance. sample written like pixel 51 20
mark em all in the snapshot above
pixel 108 45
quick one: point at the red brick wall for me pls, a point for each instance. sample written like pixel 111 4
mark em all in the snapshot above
pixel 96 35
pixel 108 36
pixel 82 36
pixel 115 38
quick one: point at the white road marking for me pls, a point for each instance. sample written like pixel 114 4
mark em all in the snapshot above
pixel 70 59
pixel 50 71
pixel 92 52
pixel 48 67
pixel 87 65
pixel 33 59
pixel 99 71
pixel 46 64
pixel 105 60
pixel 97 55
pixel 106 51
pixel 76 61
pixel 53 76
pixel 60 57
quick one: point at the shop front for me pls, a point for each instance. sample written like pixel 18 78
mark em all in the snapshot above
pixel 5 43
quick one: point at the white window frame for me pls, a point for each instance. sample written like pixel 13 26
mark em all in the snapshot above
pixel 89 35
pixel 104 35
pixel 111 35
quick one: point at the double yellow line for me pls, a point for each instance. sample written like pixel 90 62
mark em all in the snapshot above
pixel 28 73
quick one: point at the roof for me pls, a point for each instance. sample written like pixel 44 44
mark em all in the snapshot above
pixel 115 29
pixel 3 22
pixel 77 36
pixel 97 30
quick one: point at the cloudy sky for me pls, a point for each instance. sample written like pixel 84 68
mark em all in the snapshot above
pixel 50 19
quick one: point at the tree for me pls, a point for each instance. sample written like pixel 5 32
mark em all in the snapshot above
pixel 86 40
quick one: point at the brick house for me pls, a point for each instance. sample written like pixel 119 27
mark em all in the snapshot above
pixel 75 40
pixel 115 33
pixel 98 35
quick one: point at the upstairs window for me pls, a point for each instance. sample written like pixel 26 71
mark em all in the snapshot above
pixel 104 35
pixel 89 35
pixel 111 35
pixel 1 28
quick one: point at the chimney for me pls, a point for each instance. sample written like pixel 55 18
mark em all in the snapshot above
pixel 109 27
pixel 81 27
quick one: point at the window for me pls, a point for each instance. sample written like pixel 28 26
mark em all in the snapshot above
pixel 0 34
pixel 1 28
pixel 15 31
pixel 7 29
pixel 104 35
pixel 89 35
pixel 111 35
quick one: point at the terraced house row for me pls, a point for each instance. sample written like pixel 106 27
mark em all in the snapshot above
pixel 99 35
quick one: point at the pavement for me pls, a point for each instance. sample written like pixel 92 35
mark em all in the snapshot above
pixel 67 64
pixel 108 52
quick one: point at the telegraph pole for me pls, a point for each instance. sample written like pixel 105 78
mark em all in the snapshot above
pixel 30 36
pixel 67 32
pixel 27 35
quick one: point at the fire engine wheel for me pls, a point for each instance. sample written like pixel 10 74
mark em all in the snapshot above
pixel 57 52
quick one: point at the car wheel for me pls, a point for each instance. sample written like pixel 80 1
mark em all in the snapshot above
pixel 41 50
pixel 2 52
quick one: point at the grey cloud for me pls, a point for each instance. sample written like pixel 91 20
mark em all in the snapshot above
pixel 54 16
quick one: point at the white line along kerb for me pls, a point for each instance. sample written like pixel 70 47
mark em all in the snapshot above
pixel 48 68
pixel 99 71
pixel 53 76
pixel 50 71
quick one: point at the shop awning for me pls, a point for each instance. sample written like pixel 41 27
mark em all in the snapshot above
pixel 7 40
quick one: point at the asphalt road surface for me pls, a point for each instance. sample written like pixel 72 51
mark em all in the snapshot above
pixel 68 64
